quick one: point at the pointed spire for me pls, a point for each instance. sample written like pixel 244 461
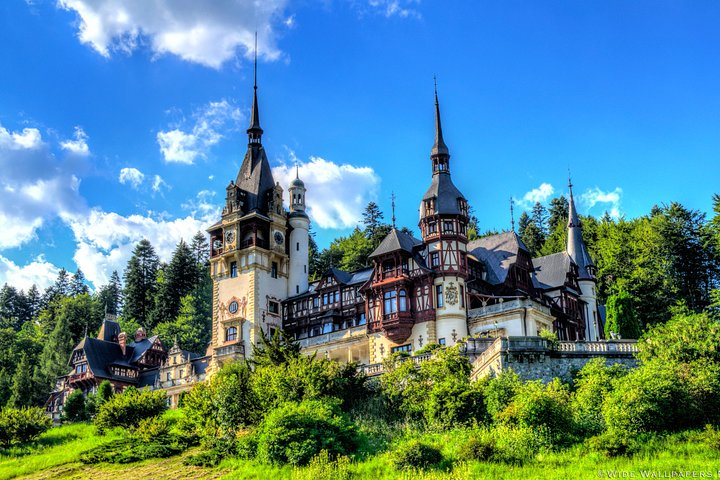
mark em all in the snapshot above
pixel 512 214
pixel 573 220
pixel 255 132
pixel 439 148
pixel 393 209
pixel 576 248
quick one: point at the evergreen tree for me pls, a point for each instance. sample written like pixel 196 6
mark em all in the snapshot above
pixel 559 208
pixel 372 220
pixel 200 248
pixel 540 217
pixel 110 295
pixel 621 318
pixel 10 308
pixel 530 231
pixel 314 267
pixel 77 284
pixel 179 279
pixel 141 283
pixel 22 390
pixel 74 409
pixel 191 331
pixel 62 283
pixel 104 393
pixel 277 349
pixel 33 302
pixel 55 353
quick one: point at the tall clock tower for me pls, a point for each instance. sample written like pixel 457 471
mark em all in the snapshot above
pixel 443 223
pixel 249 255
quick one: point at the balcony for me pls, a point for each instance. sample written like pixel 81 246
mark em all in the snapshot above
pixel 501 306
pixel 337 336
pixel 80 377
pixel 236 349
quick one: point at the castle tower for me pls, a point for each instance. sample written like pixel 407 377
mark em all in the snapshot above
pixel 587 281
pixel 249 259
pixel 443 223
pixel 299 238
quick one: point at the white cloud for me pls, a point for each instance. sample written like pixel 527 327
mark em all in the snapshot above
pixel 540 194
pixel 38 272
pixel 336 194
pixel 34 186
pixel 132 176
pixel 105 240
pixel 159 183
pixel 178 146
pixel 78 146
pixel 202 206
pixel 208 33
pixel 612 198
pixel 393 8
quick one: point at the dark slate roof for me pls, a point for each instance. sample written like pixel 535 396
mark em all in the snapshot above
pixel 551 270
pixel 498 253
pixel 99 354
pixel 446 193
pixel 346 278
pixel 149 377
pixel 394 241
pixel 141 347
pixel 200 365
pixel 360 276
pixel 255 178
pixel 109 331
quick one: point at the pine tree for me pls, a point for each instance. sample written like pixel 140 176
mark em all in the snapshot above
pixel 77 284
pixel 110 295
pixel 200 248
pixel 179 279
pixel 141 283
pixel 33 301
pixel 559 208
pixel 62 283
pixel 22 390
pixel 375 229
pixel 55 354
pixel 9 308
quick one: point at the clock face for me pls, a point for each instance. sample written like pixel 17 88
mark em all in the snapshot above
pixel 217 244
pixel 279 238
pixel 233 307
pixel 229 237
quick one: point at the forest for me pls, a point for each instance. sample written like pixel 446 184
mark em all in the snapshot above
pixel 649 268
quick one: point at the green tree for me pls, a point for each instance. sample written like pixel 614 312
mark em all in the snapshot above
pixel 77 283
pixel 23 388
pixel 179 279
pixel 110 296
pixel 275 350
pixel 141 283
pixel 621 316
pixel 559 208
pixel 191 331
pixel 104 392
pixel 74 409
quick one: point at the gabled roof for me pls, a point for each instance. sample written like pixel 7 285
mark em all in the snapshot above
pixel 109 330
pixel 551 270
pixel 394 241
pixel 100 354
pixel 498 252
pixel 139 348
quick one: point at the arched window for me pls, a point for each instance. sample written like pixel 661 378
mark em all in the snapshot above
pixel 402 301
pixel 231 334
pixel 390 302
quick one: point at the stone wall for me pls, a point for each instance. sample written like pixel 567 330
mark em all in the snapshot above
pixel 535 358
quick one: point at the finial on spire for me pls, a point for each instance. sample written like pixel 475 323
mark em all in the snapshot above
pixel 512 214
pixel 255 80
pixel 255 132
pixel 439 147
pixel 392 197
pixel 570 184
pixel 297 170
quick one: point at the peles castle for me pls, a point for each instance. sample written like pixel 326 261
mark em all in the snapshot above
pixel 440 288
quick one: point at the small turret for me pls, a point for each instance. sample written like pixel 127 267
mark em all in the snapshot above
pixel 299 243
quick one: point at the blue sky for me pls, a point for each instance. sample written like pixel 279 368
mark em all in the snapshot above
pixel 126 119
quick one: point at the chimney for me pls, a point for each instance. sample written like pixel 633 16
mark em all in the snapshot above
pixel 140 335
pixel 122 340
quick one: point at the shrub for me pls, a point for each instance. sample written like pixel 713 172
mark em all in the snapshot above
pixel 152 429
pixel 74 409
pixel 104 392
pixel 430 347
pixel 416 454
pixel 500 391
pixel 296 432
pixel 481 446
pixel 541 406
pixel 129 408
pixel 20 425
pixel 234 401
pixel 323 467
pixel 614 443
pixel 683 339
pixel 517 444
pixel 592 385
pixel 550 336
pixel 129 450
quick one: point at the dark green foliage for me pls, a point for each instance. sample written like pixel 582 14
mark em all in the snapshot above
pixel 236 405
pixel 23 386
pixel 593 383
pixel 74 409
pixel 275 350
pixel 130 408
pixel 134 449
pixel 543 407
pixel 296 432
pixel 614 443
pixel 685 338
pixel 77 284
pixel 621 316
pixel 104 392
pixel 478 447
pixel 109 296
pixel 20 425
pixel 191 328
pixel 140 282
pixel 416 454
pixel 500 392
pixel 178 279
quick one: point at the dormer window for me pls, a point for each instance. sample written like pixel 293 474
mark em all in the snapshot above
pixel 432 227
pixel 448 226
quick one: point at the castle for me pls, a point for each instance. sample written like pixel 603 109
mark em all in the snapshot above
pixel 440 288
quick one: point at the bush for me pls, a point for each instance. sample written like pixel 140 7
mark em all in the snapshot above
pixel 74 409
pixel 323 467
pixel 20 425
pixel 592 385
pixel 415 454
pixel 430 347
pixel 541 406
pixel 517 445
pixel 129 450
pixel 129 408
pixel 500 391
pixel 104 392
pixel 614 443
pixel 296 432
pixel 152 429
pixel 481 447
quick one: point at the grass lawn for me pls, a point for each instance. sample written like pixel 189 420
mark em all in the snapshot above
pixel 55 456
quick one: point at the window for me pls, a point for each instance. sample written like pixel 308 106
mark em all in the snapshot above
pixel 81 368
pixel 439 295
pixel 402 348
pixel 304 268
pixel 233 307
pixel 316 302
pixel 297 289
pixel 231 334
pixel 168 376
pixel 441 341
pixel 361 319
pixel 325 299
pixel 337 296
pixel 273 307
pixel 182 373
pixel 297 247
pixel 435 259
pixel 233 269
pixel 390 302
pixel 402 301
pixel 274 270
pixel 448 226
pixel 432 227
pixel 462 296
pixel 327 328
